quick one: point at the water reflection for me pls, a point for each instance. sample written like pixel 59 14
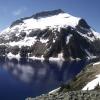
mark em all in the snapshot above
pixel 40 77
pixel 36 71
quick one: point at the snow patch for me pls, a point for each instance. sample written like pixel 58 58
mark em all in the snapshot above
pixel 59 58
pixel 37 58
pixel 91 85
pixel 54 91
pixel 43 40
pixel 97 63
pixel 27 41
pixel 68 38
pixel 10 56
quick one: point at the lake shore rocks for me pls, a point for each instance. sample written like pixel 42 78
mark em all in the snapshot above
pixel 72 95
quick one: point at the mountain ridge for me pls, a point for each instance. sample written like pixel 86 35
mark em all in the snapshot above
pixel 39 15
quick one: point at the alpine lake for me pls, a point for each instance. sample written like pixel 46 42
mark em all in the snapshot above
pixel 24 78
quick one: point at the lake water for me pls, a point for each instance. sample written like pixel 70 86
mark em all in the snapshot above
pixel 28 78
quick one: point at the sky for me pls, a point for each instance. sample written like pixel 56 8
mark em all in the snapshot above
pixel 11 10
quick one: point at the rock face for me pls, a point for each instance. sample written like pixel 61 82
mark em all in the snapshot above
pixel 50 34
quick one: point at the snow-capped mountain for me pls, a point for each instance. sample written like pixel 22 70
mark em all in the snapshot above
pixel 50 34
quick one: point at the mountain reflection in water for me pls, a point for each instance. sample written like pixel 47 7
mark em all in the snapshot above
pixel 27 77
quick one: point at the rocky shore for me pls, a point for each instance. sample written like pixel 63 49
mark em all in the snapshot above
pixel 72 95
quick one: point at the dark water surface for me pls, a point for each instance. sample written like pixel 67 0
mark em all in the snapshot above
pixel 28 78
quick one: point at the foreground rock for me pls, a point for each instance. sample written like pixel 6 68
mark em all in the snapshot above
pixel 73 95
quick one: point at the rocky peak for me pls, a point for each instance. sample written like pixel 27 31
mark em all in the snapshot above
pixel 38 15
pixel 83 23
pixel 47 13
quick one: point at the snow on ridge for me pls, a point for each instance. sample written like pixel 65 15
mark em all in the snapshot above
pixel 55 21
pixel 5 30
pixel 85 35
pixel 96 34
pixel 60 19
pixel 91 85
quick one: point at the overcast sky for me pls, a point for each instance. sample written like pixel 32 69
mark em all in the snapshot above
pixel 11 10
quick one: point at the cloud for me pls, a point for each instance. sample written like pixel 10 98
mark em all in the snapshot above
pixel 19 11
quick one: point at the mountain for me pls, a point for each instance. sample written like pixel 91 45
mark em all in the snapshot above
pixel 50 35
